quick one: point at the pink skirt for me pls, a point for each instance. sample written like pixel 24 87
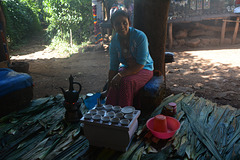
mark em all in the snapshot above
pixel 128 89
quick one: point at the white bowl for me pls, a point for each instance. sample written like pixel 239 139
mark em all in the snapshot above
pixel 93 111
pixel 128 109
pixel 111 114
pixel 116 108
pixel 108 107
pixel 106 119
pixel 87 116
pixel 97 117
pixel 89 95
pixel 115 120
pixel 98 107
pixel 101 112
pixel 119 115
pixel 129 116
pixel 124 122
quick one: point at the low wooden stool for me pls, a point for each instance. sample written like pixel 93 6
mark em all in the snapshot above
pixel 152 94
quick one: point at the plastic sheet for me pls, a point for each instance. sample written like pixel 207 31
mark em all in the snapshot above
pixel 91 101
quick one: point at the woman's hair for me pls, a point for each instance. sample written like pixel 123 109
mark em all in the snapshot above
pixel 119 13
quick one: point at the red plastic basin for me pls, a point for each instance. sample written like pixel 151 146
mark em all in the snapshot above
pixel 172 126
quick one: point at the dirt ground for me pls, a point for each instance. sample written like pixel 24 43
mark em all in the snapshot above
pixel 212 73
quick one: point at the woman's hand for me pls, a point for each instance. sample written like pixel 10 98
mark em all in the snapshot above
pixel 115 82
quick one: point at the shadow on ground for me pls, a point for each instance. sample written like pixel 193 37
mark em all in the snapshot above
pixel 209 78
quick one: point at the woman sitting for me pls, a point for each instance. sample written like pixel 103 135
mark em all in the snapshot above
pixel 131 65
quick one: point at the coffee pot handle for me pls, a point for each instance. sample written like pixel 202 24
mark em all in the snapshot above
pixel 80 86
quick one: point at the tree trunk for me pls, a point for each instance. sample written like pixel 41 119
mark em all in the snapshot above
pixel 150 16
pixel 4 55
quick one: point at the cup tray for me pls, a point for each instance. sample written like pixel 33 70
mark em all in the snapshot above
pixel 107 134
pixel 110 124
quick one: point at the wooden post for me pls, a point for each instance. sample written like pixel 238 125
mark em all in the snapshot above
pixel 223 31
pixel 235 31
pixel 170 35
pixel 151 16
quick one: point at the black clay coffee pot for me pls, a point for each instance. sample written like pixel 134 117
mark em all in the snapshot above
pixel 71 95
pixel 72 102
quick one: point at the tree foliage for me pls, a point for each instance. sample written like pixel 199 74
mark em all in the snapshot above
pixel 21 21
pixel 61 16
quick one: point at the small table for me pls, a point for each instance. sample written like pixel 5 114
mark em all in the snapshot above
pixel 235 30
pixel 225 17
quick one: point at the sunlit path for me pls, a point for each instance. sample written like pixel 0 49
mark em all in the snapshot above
pixel 223 56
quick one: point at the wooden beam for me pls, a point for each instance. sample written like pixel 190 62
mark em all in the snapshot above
pixel 235 31
pixel 213 28
pixel 231 20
